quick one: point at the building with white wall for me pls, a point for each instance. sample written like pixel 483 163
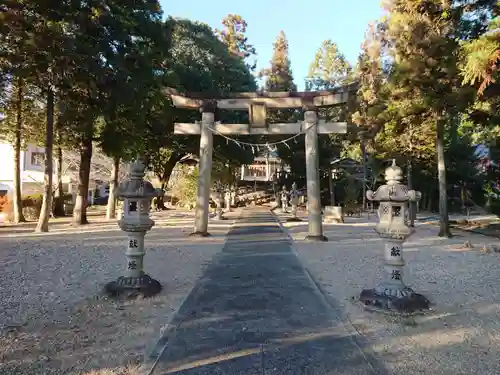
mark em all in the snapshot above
pixel 32 173
pixel 31 166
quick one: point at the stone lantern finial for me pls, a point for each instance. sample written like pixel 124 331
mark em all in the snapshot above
pixel 393 174
pixel 137 168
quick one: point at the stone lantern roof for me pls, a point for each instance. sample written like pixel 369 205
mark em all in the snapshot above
pixel 136 186
pixel 393 191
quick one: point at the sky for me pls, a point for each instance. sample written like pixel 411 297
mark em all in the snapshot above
pixel 306 24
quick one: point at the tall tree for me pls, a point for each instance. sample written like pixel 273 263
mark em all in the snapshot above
pixel 43 220
pixel 423 37
pixel 329 69
pixel 234 36
pixel 278 77
pixel 371 75
pixel 199 62
pixel 124 33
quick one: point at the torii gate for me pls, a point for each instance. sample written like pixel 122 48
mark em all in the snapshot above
pixel 256 103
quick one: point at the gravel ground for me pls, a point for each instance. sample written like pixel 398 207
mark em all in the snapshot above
pixel 462 333
pixel 54 318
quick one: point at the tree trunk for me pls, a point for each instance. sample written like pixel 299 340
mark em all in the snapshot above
pixel 331 186
pixel 43 220
pixel 113 184
pixel 444 228
pixel 363 153
pixel 59 194
pixel 80 210
pixel 412 206
pixel 430 201
pixel 165 177
pixel 17 198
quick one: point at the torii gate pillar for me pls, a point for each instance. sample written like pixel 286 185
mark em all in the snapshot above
pixel 312 173
pixel 204 170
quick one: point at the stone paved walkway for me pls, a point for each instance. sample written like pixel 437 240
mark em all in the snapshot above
pixel 256 311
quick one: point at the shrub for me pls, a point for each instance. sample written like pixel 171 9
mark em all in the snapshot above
pixel 495 206
pixel 32 200
pixel 185 187
pixel 32 205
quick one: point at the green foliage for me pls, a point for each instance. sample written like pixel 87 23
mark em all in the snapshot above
pixel 481 56
pixel 185 187
pixel 198 62
pixel 21 103
pixel 33 200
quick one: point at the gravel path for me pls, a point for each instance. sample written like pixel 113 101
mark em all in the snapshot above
pixel 54 318
pixel 461 335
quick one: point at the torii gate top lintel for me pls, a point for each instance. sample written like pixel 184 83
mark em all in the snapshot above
pixel 282 99
pixel 256 104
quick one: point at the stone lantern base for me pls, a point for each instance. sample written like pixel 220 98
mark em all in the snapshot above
pixel 131 287
pixel 403 300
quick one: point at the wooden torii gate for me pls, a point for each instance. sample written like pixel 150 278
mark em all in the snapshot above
pixel 256 103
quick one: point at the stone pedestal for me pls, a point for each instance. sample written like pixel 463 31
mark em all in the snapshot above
pixel 333 214
pixel 135 221
pixel 392 294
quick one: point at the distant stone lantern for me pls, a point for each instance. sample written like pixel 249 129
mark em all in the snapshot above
pixel 227 199
pixel 284 199
pixel 393 294
pixel 137 195
pixel 233 195
pixel 294 200
pixel 218 198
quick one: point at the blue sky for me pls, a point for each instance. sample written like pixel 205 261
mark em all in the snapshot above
pixel 305 23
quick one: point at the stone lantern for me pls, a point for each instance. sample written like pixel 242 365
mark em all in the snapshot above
pixel 277 195
pixel 233 195
pixel 227 199
pixel 393 198
pixel 284 199
pixel 217 197
pixel 294 201
pixel 137 195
